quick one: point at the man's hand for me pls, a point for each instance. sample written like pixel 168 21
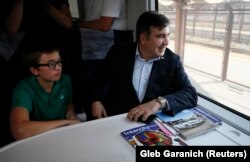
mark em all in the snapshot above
pixel 144 110
pixel 98 110
pixel 71 115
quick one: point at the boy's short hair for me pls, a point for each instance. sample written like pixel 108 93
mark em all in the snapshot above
pixel 31 55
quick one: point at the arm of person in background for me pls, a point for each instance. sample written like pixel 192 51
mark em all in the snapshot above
pixel 108 15
pixel 14 18
pixel 22 127
pixel 103 24
pixel 62 15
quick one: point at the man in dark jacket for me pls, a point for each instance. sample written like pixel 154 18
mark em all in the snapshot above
pixel 142 77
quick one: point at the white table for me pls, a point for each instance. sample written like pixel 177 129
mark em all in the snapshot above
pixel 93 141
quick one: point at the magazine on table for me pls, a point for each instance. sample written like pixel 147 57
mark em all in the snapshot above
pixel 191 122
pixel 151 135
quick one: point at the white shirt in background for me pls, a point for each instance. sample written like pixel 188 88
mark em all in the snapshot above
pixel 95 9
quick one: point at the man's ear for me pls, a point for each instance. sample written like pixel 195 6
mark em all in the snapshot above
pixel 34 71
pixel 143 38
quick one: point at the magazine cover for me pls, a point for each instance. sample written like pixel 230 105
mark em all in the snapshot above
pixel 215 120
pixel 150 135
pixel 190 123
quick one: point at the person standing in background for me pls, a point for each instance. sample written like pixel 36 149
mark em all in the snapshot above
pixel 99 22
pixel 32 16
pixel 100 19
pixel 49 20
pixel 104 15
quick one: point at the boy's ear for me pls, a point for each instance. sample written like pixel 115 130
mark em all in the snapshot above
pixel 34 71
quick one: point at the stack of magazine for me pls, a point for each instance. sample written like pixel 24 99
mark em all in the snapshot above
pixel 170 131
pixel 191 122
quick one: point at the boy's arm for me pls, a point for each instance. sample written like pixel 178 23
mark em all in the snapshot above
pixel 22 127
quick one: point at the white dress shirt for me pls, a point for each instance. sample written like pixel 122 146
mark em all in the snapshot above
pixel 141 74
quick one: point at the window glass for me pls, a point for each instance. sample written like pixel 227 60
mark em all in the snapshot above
pixel 214 46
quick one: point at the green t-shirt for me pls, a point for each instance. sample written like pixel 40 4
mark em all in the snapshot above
pixel 43 106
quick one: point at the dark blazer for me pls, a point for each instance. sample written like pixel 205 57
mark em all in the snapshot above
pixel 167 79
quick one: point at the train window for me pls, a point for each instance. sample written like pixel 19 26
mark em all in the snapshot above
pixel 213 39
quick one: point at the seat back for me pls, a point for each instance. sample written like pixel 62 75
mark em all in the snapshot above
pixel 123 36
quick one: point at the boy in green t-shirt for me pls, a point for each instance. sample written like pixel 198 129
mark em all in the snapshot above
pixel 44 100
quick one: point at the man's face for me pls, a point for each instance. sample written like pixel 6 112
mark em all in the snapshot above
pixel 155 44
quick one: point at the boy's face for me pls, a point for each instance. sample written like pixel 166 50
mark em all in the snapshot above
pixel 49 67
